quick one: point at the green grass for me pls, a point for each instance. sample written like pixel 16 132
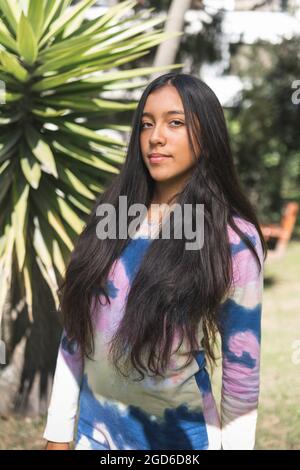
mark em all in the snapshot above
pixel 278 425
pixel 19 433
pixel 279 411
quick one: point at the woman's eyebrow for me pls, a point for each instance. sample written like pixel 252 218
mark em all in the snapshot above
pixel 175 111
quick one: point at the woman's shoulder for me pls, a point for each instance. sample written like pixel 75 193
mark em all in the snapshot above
pixel 249 230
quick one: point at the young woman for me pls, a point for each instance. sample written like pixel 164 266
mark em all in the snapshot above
pixel 141 313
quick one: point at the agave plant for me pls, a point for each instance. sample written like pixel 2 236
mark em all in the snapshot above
pixel 55 68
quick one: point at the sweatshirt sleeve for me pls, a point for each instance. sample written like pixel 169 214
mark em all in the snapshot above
pixel 63 405
pixel 241 336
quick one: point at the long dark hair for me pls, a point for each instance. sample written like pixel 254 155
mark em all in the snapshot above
pixel 166 297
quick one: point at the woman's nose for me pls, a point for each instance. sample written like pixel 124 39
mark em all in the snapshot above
pixel 157 135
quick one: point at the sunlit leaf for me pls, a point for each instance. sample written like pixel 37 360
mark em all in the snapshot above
pixel 13 66
pixel 27 43
pixel 12 11
pixel 31 167
pixel 36 16
pixel 41 150
pixel 19 218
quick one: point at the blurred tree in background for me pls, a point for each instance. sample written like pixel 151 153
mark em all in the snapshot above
pixel 200 42
pixel 264 125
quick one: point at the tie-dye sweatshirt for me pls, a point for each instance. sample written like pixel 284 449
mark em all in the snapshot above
pixel 177 411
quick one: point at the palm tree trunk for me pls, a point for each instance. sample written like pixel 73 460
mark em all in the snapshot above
pixel 31 351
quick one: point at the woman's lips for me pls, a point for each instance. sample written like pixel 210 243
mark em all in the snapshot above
pixel 158 158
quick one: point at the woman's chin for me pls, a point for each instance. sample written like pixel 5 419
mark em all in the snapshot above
pixel 161 176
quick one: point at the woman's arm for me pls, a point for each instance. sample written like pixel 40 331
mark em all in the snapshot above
pixel 57 446
pixel 63 406
pixel 241 334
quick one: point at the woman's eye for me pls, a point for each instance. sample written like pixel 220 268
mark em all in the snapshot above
pixel 143 124
pixel 179 122
pixel 174 120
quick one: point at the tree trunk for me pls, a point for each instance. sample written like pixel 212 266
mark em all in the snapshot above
pixel 31 350
pixel 167 50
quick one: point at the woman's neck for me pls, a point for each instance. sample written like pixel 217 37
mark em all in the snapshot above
pixel 161 203
pixel 164 192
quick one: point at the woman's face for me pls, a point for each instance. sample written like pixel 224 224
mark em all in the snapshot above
pixel 163 131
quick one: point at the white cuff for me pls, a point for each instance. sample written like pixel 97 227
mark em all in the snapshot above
pixel 59 429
